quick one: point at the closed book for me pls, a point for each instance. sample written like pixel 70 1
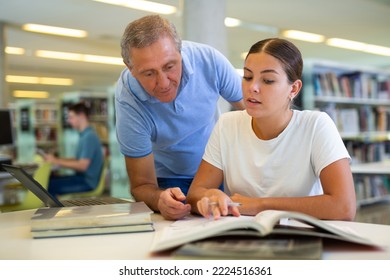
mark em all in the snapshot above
pixel 94 216
pixel 91 231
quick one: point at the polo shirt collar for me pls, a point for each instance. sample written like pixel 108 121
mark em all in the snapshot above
pixel 186 72
pixel 136 88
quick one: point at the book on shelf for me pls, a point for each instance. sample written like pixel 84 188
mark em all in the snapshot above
pixel 322 85
pixel 346 87
pixel 94 219
pixel 371 187
pixel 349 121
pixel 383 115
pixel 265 224
pixel 354 84
pixel 333 81
pixel 384 89
pixel 363 153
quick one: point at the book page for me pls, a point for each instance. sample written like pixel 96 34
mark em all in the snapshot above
pixel 271 217
pixel 194 228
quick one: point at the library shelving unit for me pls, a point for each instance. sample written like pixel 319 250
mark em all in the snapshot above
pixel 46 125
pixel 358 101
pixel 120 185
pixel 25 138
pixel 36 126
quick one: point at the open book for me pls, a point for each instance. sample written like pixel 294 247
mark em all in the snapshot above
pixel 263 224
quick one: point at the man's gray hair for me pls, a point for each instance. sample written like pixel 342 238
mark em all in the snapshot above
pixel 144 32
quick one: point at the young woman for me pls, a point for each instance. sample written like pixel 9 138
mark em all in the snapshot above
pixel 270 156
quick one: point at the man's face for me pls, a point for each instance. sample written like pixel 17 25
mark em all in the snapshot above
pixel 73 119
pixel 158 69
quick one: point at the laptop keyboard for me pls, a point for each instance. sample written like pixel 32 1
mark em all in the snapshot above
pixel 93 201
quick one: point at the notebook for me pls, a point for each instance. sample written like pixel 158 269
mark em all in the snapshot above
pixel 28 181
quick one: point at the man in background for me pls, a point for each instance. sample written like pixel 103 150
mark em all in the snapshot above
pixel 88 161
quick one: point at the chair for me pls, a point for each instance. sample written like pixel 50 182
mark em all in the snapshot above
pixel 98 191
pixel 41 175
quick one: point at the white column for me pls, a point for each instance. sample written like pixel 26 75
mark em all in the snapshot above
pixel 203 22
pixel 3 88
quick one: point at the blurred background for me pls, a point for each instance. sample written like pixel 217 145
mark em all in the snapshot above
pixel 93 62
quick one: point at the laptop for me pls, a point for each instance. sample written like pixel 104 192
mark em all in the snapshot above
pixel 49 200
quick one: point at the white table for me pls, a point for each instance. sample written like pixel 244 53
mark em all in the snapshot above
pixel 16 242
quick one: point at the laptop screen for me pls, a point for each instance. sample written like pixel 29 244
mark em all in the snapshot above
pixel 28 181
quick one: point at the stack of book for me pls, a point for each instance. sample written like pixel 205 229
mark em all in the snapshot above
pixel 91 220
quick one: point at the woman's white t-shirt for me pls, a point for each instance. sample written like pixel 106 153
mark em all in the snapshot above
pixel 287 166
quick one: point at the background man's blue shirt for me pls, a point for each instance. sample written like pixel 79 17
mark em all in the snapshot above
pixel 89 147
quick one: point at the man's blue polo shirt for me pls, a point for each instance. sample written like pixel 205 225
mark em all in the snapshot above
pixel 89 147
pixel 176 132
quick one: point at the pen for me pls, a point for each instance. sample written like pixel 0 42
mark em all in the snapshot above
pixel 229 204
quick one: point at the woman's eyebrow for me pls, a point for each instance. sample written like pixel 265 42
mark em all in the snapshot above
pixel 269 71
pixel 263 71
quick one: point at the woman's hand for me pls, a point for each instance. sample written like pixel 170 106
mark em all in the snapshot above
pixel 217 204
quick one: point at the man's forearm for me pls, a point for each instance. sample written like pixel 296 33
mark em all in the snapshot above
pixel 71 163
pixel 150 194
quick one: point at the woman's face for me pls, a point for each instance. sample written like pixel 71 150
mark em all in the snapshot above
pixel 265 86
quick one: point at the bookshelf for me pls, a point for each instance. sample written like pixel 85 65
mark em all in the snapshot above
pixel 36 126
pixel 46 125
pixel 358 101
pixel 372 182
pixel 98 115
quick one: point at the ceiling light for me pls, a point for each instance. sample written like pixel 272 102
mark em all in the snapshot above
pixel 142 5
pixel 345 44
pixel 232 22
pixel 55 81
pixel 14 50
pixel 103 59
pixel 59 55
pixel 80 57
pixel 358 46
pixel 39 80
pixel 54 30
pixel 30 94
pixel 377 50
pixel 303 36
